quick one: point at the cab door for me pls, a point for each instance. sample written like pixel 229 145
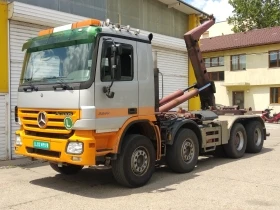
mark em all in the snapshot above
pixel 111 113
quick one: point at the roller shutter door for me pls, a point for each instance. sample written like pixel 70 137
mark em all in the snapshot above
pixel 19 33
pixel 174 67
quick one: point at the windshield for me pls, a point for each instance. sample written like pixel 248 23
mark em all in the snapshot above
pixel 70 63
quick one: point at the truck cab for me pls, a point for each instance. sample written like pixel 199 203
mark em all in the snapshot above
pixel 80 84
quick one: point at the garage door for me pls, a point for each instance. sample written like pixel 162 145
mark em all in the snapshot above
pixel 19 33
pixel 3 123
pixel 174 67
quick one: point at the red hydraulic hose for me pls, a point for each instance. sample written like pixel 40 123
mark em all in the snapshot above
pixel 171 97
pixel 166 107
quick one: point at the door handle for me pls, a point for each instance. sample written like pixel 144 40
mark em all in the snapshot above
pixel 132 110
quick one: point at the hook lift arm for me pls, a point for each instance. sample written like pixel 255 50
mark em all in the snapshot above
pixel 191 38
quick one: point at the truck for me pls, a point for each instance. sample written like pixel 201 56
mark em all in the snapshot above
pixel 89 96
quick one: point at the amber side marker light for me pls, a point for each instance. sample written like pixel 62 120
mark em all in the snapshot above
pixel 79 24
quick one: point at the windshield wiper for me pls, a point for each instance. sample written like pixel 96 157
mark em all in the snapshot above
pixel 31 86
pixel 62 84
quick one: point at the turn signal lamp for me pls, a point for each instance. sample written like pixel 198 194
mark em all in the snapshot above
pixel 88 22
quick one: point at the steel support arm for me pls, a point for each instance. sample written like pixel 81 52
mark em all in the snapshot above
pixel 207 96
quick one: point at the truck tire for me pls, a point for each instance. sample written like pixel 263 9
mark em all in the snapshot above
pixel 255 137
pixel 135 164
pixel 66 170
pixel 236 146
pixel 182 156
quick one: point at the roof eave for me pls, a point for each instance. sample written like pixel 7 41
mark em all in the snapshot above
pixel 234 48
pixel 184 7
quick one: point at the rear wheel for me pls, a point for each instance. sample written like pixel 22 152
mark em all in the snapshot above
pixel 236 146
pixel 136 163
pixel 255 136
pixel 182 156
pixel 66 169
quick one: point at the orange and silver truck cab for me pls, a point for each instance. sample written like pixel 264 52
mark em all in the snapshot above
pixel 69 107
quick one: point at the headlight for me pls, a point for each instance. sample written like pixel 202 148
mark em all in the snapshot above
pixel 75 147
pixel 18 140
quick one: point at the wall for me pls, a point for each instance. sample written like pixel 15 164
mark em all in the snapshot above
pixel 257 64
pixel 194 103
pixel 218 29
pixel 150 15
pixel 3 47
pixel 94 9
pixel 222 96
pixel 255 81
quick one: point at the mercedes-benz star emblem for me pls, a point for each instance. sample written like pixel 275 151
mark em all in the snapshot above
pixel 42 120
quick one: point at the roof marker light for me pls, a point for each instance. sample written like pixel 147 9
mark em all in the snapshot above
pixel 45 32
pixel 62 28
pixel 107 22
pixel 89 22
pixel 79 24
pixel 137 32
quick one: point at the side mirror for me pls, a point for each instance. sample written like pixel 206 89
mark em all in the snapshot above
pixel 122 49
pixel 113 52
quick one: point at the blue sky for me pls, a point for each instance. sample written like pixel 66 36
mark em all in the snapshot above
pixel 220 8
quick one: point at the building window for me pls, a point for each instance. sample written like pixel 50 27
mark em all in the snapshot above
pixel 217 76
pixel 275 95
pixel 238 62
pixel 207 62
pixel 214 62
pixel 274 59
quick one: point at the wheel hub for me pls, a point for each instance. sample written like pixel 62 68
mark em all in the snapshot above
pixel 239 140
pixel 257 137
pixel 187 150
pixel 140 161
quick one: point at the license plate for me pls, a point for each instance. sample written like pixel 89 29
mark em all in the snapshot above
pixel 41 145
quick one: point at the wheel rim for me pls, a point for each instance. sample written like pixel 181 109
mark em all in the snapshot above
pixel 258 136
pixel 187 151
pixel 140 161
pixel 239 140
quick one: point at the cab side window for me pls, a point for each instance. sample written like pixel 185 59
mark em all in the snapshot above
pixel 124 62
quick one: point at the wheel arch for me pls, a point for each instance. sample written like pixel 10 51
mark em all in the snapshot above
pixel 186 124
pixel 142 127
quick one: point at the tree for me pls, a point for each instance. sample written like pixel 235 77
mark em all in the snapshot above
pixel 254 14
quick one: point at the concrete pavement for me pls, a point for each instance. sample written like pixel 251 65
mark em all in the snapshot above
pixel 252 182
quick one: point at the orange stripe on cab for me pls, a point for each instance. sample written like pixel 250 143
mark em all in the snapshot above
pixel 123 112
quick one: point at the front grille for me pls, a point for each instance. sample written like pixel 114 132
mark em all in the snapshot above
pixel 49 135
pixel 43 152
pixel 55 123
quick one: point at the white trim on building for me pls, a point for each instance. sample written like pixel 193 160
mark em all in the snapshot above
pixel 25 21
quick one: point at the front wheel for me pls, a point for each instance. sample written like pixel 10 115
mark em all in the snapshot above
pixel 182 156
pixel 66 169
pixel 136 163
